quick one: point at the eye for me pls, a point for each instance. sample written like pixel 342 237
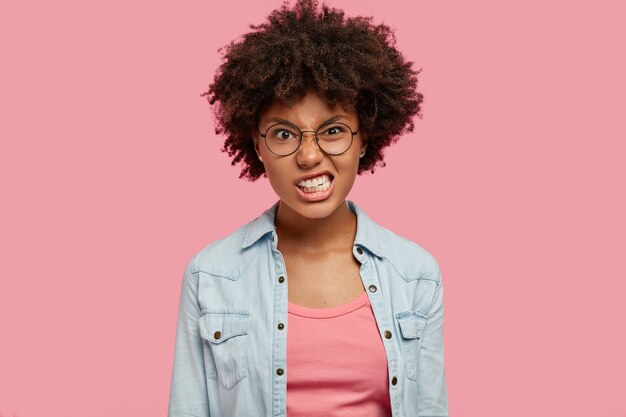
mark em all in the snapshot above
pixel 282 133
pixel 334 130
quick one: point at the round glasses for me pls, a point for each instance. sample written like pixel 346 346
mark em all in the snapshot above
pixel 284 139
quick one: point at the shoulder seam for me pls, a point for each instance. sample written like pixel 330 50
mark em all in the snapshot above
pixel 194 264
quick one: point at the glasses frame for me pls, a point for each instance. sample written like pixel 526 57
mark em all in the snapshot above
pixel 302 132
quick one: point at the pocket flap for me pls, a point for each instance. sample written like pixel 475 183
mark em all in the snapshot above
pixel 411 324
pixel 217 327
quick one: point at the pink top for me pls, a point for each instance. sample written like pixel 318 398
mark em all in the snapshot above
pixel 336 362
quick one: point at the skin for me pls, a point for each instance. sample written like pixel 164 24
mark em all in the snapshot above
pixel 315 238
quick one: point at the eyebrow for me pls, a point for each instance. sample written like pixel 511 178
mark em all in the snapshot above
pixel 287 122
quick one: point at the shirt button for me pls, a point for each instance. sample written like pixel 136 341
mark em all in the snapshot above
pixel 359 250
pixel 280 371
pixel 281 326
pixel 394 380
pixel 281 279
pixel 387 334
pixel 373 288
pixel 217 335
pixel 272 238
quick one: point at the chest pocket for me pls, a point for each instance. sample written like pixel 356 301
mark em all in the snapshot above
pixel 411 323
pixel 225 341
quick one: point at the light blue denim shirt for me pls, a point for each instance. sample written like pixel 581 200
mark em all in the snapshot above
pixel 230 356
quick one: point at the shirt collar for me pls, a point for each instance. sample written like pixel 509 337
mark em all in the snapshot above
pixel 367 231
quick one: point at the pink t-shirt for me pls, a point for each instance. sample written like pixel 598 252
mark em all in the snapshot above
pixel 336 362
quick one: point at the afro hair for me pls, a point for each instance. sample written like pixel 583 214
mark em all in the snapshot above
pixel 346 60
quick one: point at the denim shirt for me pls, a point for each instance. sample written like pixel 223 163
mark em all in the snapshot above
pixel 230 356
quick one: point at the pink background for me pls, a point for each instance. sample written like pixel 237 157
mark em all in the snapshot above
pixel 112 179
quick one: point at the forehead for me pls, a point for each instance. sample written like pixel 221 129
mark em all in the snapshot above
pixel 310 110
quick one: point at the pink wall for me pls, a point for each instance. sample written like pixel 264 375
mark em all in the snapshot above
pixel 112 179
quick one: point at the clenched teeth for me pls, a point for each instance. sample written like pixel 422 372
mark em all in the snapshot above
pixel 317 184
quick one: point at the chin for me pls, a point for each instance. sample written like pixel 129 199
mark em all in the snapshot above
pixel 314 210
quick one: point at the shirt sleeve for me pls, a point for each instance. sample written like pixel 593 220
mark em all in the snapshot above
pixel 188 390
pixel 431 388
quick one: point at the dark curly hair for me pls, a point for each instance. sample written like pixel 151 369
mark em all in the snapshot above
pixel 347 61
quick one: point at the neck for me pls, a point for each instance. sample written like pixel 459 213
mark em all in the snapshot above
pixel 314 235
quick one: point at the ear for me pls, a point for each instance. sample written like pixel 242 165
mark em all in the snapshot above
pixel 363 144
pixel 255 140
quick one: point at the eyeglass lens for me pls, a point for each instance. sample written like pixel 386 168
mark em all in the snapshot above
pixel 284 139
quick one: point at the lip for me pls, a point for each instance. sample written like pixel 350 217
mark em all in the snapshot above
pixel 313 175
pixel 318 196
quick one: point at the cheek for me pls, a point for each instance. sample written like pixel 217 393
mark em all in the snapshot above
pixel 347 169
pixel 354 159
pixel 273 173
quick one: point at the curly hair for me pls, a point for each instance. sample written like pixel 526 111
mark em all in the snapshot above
pixel 347 61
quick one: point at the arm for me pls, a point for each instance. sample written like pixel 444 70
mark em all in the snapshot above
pixel 431 383
pixel 188 391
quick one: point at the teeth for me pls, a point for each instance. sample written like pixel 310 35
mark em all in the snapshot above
pixel 317 184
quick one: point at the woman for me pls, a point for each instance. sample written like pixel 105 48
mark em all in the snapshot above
pixel 312 308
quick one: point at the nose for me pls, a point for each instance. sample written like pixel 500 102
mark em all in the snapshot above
pixel 309 152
